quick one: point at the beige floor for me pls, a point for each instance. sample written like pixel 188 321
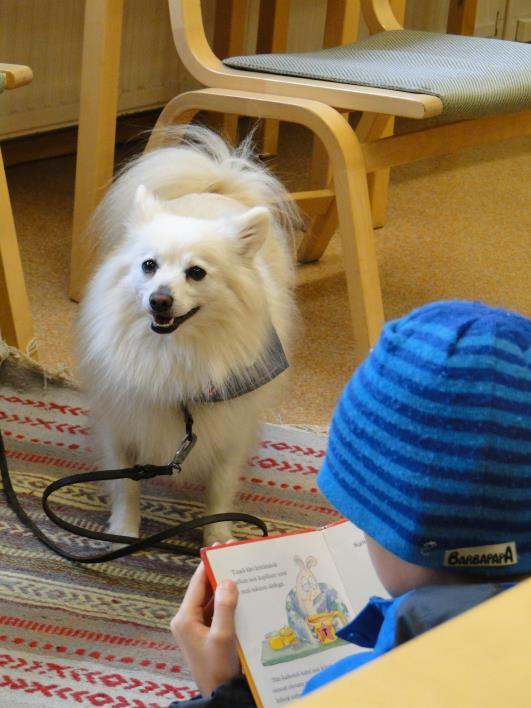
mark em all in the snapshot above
pixel 458 227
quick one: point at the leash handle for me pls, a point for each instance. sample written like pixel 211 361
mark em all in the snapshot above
pixel 131 545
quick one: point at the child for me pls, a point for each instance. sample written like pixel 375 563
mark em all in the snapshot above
pixel 430 455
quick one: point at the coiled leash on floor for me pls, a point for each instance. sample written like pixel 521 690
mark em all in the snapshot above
pixel 136 473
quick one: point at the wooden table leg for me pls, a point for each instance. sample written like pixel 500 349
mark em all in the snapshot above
pixel 97 126
pixel 15 319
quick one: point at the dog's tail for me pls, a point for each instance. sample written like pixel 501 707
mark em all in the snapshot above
pixel 194 160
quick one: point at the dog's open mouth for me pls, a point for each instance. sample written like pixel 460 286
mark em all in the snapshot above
pixel 165 325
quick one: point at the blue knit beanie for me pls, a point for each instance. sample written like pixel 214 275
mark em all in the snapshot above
pixel 430 444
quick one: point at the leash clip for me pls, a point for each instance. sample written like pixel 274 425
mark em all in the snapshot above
pixel 184 449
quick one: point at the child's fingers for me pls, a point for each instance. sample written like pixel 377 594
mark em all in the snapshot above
pixel 225 601
pixel 208 611
pixel 198 592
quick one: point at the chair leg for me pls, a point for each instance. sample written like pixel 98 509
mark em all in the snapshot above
pixel 350 183
pixel 358 246
pixel 370 127
pixel 270 137
pixel 15 319
pixel 378 183
pixel 317 238
pixel 229 40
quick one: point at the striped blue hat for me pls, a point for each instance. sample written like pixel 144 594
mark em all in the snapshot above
pixel 430 445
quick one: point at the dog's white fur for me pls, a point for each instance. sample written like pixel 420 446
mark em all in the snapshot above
pixel 197 203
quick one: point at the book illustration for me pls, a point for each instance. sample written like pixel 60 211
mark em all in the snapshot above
pixel 296 591
pixel 314 613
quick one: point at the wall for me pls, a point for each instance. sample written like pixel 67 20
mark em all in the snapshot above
pixel 47 35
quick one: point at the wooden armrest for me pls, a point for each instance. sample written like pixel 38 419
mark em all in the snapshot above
pixel 480 658
pixel 16 75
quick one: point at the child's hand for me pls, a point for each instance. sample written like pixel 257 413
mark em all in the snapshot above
pixel 204 630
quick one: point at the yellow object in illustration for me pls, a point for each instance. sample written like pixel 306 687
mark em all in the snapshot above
pixel 283 638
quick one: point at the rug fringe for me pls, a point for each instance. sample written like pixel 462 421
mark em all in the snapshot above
pixel 50 374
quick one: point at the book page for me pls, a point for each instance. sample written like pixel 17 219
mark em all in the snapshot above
pixel 291 603
pixel 348 548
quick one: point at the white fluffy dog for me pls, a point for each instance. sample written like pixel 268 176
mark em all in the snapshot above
pixel 192 303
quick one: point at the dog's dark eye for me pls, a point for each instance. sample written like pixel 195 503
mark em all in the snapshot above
pixel 149 266
pixel 195 273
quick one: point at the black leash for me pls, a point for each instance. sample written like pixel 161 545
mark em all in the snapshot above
pixel 136 473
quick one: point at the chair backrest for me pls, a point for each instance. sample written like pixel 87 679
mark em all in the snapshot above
pixel 381 15
pixel 195 51
pixel 191 42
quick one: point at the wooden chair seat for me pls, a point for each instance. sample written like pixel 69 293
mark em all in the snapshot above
pixel 471 76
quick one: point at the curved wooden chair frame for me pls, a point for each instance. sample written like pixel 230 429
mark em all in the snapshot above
pixel 350 185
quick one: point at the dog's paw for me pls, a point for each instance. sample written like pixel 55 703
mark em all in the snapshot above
pixel 121 529
pixel 218 533
pixel 124 520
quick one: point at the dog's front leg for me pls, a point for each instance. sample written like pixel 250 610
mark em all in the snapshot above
pixel 123 495
pixel 220 498
pixel 124 500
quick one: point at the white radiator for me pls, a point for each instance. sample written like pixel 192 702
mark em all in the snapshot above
pixel 47 36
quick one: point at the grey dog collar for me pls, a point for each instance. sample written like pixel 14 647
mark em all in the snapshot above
pixel 271 364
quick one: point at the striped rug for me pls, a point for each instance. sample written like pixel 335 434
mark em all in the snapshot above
pixel 96 635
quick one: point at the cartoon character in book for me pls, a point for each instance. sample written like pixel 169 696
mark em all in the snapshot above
pixel 314 609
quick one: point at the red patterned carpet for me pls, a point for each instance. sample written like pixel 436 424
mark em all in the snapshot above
pixel 96 635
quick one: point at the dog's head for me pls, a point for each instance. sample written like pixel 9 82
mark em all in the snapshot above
pixel 198 269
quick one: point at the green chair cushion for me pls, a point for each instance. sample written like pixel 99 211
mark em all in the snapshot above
pixel 472 76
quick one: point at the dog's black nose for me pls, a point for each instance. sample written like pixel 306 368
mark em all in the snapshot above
pixel 160 301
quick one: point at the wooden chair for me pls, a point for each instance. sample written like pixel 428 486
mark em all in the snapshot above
pixel 15 319
pixel 279 87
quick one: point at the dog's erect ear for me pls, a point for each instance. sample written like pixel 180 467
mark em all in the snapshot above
pixel 145 204
pixel 252 228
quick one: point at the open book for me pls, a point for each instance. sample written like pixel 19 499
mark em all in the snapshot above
pixel 295 591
